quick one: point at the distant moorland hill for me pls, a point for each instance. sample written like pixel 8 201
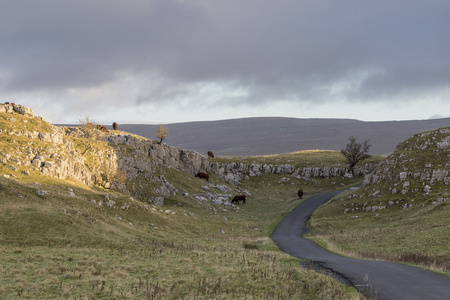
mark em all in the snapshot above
pixel 271 135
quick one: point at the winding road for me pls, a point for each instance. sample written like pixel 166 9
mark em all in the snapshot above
pixel 377 279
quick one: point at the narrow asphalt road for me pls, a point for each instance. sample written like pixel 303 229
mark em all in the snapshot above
pixel 377 279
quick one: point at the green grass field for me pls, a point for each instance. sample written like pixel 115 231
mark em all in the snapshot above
pixel 64 245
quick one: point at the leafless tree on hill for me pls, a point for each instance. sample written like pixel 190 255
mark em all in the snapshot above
pixel 355 152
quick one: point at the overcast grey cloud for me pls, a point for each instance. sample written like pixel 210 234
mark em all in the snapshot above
pixel 176 60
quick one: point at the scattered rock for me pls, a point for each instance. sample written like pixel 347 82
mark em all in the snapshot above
pixel 42 194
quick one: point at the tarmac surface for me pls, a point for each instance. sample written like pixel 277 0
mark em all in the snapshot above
pixel 377 279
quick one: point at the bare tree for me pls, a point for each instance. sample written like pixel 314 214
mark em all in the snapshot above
pixel 355 152
pixel 161 133
pixel 90 131
pixel 89 127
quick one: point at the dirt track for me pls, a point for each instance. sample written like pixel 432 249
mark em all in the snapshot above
pixel 378 279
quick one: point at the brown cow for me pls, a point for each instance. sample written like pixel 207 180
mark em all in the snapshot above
pixel 102 128
pixel 300 193
pixel 202 175
pixel 210 154
pixel 115 126
pixel 238 198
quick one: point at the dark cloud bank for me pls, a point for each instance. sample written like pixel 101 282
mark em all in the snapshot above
pixel 296 50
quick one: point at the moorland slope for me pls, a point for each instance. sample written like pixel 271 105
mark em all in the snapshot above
pixel 265 136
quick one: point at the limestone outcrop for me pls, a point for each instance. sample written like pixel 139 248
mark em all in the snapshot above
pixel 423 160
pixel 416 173
pixel 155 155
pixel 129 163
pixel 233 173
pixel 14 108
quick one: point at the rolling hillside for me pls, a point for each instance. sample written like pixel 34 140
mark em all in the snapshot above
pixel 262 136
pixel 401 213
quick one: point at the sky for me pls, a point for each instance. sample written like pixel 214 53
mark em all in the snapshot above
pixel 172 61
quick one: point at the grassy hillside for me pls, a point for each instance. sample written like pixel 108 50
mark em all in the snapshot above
pixel 402 212
pixel 65 245
pixel 62 239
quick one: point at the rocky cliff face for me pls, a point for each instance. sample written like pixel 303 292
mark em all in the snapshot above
pixel 148 155
pixel 141 159
pixel 127 162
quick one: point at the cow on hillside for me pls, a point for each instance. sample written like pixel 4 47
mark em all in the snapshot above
pixel 300 193
pixel 210 154
pixel 102 128
pixel 238 198
pixel 202 175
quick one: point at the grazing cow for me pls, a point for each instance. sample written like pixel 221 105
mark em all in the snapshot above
pixel 300 193
pixel 102 128
pixel 238 198
pixel 115 126
pixel 210 154
pixel 202 175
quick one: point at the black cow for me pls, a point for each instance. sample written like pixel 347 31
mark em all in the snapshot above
pixel 238 198
pixel 300 193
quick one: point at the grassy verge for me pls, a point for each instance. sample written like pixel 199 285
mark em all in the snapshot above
pixel 417 235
